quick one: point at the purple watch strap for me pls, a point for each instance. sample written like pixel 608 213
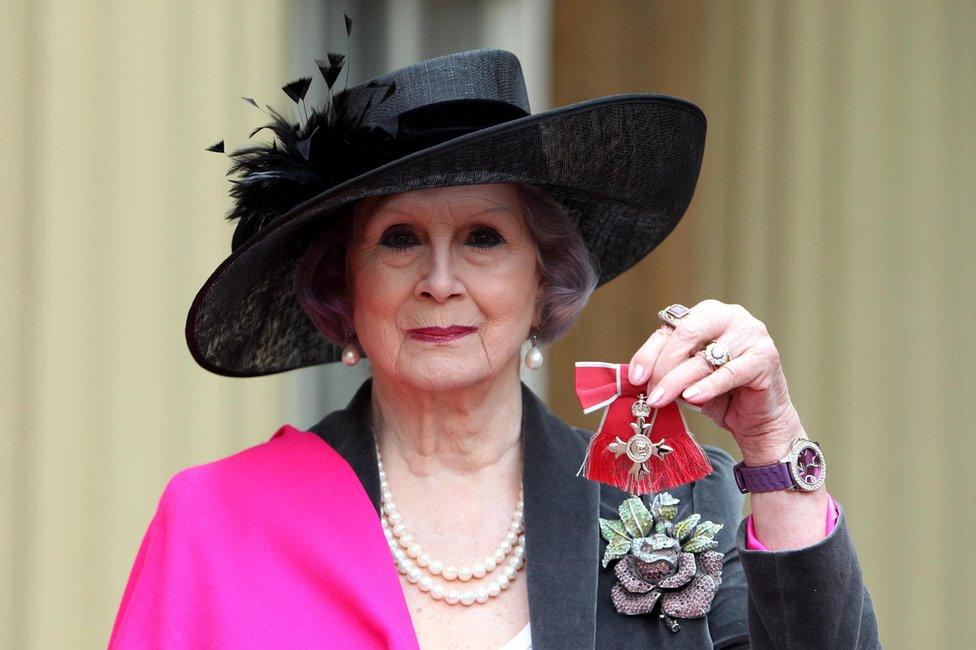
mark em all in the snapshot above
pixel 763 479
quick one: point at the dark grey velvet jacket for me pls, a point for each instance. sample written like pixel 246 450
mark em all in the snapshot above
pixel 813 597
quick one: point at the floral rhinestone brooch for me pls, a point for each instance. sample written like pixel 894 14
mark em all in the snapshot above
pixel 659 560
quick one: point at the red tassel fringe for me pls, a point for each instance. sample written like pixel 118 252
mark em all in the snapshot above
pixel 685 464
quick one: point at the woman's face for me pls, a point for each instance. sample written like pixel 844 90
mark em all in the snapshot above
pixel 444 284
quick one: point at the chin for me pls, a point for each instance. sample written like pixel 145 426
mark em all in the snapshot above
pixel 443 371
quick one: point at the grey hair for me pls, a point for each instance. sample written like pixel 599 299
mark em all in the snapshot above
pixel 569 273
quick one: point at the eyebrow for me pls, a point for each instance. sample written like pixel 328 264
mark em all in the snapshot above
pixel 384 208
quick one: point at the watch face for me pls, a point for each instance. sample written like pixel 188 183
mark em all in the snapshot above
pixel 808 466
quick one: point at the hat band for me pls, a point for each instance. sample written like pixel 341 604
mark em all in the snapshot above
pixel 458 115
pixel 426 126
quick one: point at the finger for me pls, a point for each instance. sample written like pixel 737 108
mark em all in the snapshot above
pixel 717 408
pixel 707 320
pixel 693 407
pixel 679 378
pixel 740 371
pixel 643 359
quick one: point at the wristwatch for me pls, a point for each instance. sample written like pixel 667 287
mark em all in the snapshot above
pixel 804 468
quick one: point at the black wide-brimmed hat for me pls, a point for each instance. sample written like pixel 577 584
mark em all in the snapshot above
pixel 624 167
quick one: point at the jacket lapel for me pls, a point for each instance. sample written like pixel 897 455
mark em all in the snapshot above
pixel 350 432
pixel 562 540
pixel 561 533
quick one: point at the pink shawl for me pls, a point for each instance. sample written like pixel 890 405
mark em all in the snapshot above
pixel 275 546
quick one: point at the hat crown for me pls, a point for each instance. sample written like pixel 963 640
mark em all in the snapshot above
pixel 485 76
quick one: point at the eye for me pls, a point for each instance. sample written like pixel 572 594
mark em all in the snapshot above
pixel 484 237
pixel 399 237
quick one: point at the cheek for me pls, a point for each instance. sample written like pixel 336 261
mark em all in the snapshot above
pixel 506 292
pixel 379 289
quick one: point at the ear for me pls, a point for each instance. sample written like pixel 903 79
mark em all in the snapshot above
pixel 540 301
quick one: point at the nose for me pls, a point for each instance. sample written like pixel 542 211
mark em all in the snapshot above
pixel 440 280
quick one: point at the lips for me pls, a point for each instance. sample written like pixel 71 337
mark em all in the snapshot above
pixel 441 333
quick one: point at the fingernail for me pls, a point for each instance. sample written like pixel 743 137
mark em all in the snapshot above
pixel 696 409
pixel 636 373
pixel 655 396
pixel 691 392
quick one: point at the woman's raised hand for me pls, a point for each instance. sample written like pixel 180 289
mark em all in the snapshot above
pixel 747 395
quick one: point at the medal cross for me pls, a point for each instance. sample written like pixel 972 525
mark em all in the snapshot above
pixel 639 448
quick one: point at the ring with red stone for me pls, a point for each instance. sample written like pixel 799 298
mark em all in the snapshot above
pixel 673 313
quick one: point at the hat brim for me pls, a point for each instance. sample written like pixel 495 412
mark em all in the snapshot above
pixel 624 167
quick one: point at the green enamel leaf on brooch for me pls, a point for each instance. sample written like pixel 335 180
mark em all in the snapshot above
pixel 655 542
pixel 650 549
pixel 636 517
pixel 703 539
pixel 664 506
pixel 613 530
pixel 708 529
pixel 615 550
pixel 699 543
pixel 684 528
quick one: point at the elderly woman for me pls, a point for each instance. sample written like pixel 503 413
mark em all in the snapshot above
pixel 427 221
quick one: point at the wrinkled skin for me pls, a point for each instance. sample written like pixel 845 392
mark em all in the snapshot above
pixel 748 396
pixel 438 257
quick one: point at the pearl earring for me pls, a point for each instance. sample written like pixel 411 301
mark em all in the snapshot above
pixel 533 358
pixel 350 353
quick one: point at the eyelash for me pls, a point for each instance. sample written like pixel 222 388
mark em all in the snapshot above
pixel 387 238
pixel 497 239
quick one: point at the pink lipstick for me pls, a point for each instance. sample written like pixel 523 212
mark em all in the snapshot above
pixel 440 334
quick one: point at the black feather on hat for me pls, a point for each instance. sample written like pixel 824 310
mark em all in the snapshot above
pixel 302 160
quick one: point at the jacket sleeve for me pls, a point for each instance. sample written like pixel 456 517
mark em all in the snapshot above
pixel 814 596
pixel 811 597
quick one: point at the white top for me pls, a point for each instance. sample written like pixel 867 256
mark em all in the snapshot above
pixel 521 641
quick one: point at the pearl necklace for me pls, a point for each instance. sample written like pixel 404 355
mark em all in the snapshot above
pixel 419 568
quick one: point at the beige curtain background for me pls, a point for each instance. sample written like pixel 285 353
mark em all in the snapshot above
pixel 836 202
pixel 112 216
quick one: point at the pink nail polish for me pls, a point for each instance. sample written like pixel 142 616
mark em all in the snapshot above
pixel 655 396
pixel 636 373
